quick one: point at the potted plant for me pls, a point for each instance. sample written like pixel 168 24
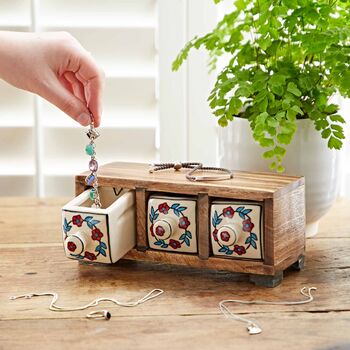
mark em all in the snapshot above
pixel 286 60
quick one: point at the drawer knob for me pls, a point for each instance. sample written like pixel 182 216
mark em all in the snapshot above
pixel 75 243
pixel 164 228
pixel 228 234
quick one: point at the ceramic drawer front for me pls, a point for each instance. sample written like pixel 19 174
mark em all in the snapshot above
pixel 99 235
pixel 172 224
pixel 237 230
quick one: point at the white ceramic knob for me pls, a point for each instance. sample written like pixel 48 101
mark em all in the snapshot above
pixel 75 243
pixel 164 228
pixel 228 234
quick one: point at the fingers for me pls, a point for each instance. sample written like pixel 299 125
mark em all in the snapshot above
pixel 93 80
pixel 74 59
pixel 94 98
pixel 55 92
pixel 75 86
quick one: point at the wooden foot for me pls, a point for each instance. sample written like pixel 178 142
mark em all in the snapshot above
pixel 267 281
pixel 299 264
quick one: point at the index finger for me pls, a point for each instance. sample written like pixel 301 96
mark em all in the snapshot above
pixel 92 77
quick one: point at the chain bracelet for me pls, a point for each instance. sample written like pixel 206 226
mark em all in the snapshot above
pixel 92 179
pixel 193 166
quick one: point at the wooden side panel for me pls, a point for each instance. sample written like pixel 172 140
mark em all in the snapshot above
pixel 141 222
pixel 79 187
pixel 268 232
pixel 289 228
pixel 203 225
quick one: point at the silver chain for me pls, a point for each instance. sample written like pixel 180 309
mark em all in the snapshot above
pixel 253 327
pixel 99 314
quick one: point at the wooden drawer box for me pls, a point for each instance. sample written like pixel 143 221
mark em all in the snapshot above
pixel 263 227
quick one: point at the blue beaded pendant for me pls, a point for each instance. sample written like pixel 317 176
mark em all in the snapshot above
pixel 89 180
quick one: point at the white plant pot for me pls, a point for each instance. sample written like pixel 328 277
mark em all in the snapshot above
pixel 307 155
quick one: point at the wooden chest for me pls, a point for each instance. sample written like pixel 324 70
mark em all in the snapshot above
pixel 253 223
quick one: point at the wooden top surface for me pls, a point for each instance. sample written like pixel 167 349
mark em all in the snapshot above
pixel 259 185
pixel 185 316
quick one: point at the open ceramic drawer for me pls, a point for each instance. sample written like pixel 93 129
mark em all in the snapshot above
pixel 101 235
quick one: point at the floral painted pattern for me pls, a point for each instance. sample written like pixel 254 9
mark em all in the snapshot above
pixel 71 246
pixel 228 212
pixel 239 249
pixel 163 208
pixel 77 220
pixel 90 256
pixel 183 223
pixel 247 226
pixel 96 235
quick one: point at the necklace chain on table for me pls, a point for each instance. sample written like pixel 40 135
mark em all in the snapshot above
pixel 91 179
pixel 253 327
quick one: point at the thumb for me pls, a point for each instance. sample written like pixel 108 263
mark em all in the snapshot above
pixel 57 94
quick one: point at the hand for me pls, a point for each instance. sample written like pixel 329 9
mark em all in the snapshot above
pixel 56 67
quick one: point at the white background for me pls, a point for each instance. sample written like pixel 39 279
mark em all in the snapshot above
pixel 150 113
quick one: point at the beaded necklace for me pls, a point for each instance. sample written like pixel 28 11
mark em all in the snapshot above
pixel 92 180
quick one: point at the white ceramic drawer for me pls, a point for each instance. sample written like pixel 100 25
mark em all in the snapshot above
pixel 172 224
pixel 101 235
pixel 237 229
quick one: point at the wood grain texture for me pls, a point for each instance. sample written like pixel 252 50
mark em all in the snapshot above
pixel 330 227
pixel 185 316
pixel 283 195
pixel 188 291
pixel 203 214
pixel 269 247
pixel 213 263
pixel 80 187
pixel 141 219
pixel 16 212
pixel 292 331
pixel 244 185
pixel 284 235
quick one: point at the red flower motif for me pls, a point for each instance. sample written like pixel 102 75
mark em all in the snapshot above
pixel 160 231
pixel 247 225
pixel 225 236
pixel 184 222
pixel 239 249
pixel 163 208
pixel 174 244
pixel 151 230
pixel 228 212
pixel 71 246
pixel 77 220
pixel 96 234
pixel 215 235
pixel 90 256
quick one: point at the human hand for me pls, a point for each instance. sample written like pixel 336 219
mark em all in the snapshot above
pixel 56 67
